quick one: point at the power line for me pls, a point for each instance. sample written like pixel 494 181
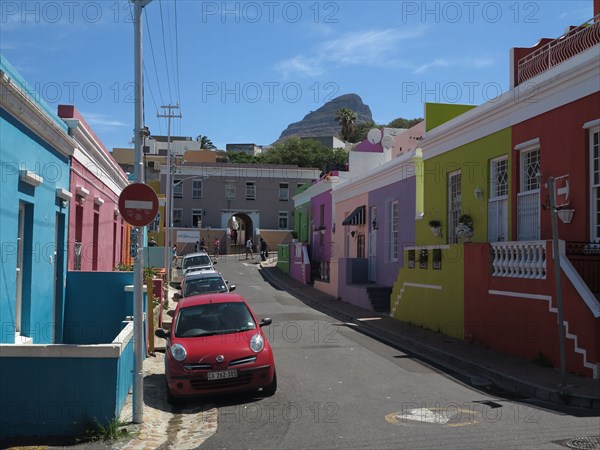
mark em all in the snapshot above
pixel 177 54
pixel 152 95
pixel 153 59
pixel 162 24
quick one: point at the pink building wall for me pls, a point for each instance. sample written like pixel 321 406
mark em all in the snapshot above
pixel 96 181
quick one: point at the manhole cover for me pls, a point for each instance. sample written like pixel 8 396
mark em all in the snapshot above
pixel 587 443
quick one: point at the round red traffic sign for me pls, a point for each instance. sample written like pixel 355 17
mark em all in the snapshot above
pixel 138 204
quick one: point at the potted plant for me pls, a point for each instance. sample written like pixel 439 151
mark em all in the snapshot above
pixel 464 229
pixel 436 227
pixel 294 235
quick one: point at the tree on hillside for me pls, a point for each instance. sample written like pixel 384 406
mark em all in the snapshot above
pixel 400 122
pixel 361 130
pixel 205 143
pixel 346 118
pixel 241 158
pixel 303 153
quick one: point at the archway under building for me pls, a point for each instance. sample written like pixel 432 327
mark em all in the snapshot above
pixel 240 227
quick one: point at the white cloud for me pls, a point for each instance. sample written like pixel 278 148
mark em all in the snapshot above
pixel 466 63
pixel 377 48
pixel 101 120
pixel 300 65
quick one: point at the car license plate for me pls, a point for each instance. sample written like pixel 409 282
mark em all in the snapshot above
pixel 221 375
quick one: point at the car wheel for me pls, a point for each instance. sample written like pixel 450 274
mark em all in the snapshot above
pixel 271 388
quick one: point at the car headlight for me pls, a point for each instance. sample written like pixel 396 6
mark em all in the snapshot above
pixel 257 343
pixel 178 352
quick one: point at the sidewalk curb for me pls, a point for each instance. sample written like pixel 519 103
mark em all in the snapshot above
pixel 439 357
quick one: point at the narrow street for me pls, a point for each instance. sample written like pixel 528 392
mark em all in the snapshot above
pixel 341 389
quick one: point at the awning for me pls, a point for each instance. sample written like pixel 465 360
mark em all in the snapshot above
pixel 357 217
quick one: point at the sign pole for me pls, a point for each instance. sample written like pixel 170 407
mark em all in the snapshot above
pixel 557 271
pixel 138 266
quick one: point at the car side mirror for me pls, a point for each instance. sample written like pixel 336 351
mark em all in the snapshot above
pixel 177 295
pixel 161 333
pixel 266 321
pixel 232 288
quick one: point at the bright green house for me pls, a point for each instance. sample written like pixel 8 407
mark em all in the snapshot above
pixel 456 180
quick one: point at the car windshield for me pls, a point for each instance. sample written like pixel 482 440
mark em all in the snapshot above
pixel 200 260
pixel 213 318
pixel 204 285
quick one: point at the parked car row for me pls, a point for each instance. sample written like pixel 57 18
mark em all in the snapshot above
pixel 216 344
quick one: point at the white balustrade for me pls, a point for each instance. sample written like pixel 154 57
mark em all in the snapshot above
pixel 519 259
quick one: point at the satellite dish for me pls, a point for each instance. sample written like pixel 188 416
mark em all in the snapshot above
pixel 374 136
pixel 387 142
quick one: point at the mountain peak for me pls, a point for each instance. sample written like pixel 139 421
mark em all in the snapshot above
pixel 322 121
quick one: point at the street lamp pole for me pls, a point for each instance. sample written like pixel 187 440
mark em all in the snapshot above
pixel 138 300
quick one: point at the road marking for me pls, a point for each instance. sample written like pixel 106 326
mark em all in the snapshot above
pixel 450 416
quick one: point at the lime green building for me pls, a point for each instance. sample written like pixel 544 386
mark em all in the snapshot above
pixel 458 162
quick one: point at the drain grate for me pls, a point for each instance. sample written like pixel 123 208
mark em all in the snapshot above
pixel 583 443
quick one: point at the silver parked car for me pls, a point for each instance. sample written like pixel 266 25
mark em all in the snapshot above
pixel 204 282
pixel 192 262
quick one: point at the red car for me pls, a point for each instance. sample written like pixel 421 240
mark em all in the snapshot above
pixel 216 346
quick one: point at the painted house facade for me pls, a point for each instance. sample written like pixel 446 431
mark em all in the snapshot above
pixel 376 212
pixel 493 163
pixel 48 326
pixel 97 232
pixel 34 151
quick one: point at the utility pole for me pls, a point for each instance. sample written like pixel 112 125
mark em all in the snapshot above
pixel 169 187
pixel 138 267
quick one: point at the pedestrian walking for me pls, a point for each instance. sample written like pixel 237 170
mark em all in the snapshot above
pixel 174 252
pixel 216 245
pixel 197 247
pixel 264 254
pixel 249 248
pixel 202 245
pixel 234 236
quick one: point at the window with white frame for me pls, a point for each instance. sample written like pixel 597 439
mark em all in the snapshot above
pixel 498 200
pixel 454 204
pixel 197 189
pixel 250 190
pixel 284 192
pixel 595 183
pixel 229 190
pixel 530 169
pixel 197 217
pixel 177 217
pixel 394 216
pixel 178 189
pixel 528 199
pixel 283 220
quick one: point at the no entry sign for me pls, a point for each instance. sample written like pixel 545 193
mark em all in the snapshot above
pixel 138 204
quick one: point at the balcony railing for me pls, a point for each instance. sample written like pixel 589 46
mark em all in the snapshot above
pixel 559 50
pixel 520 259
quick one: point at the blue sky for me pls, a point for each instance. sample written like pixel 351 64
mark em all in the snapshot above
pixel 242 71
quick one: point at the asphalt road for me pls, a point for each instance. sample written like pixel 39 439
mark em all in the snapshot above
pixel 341 389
